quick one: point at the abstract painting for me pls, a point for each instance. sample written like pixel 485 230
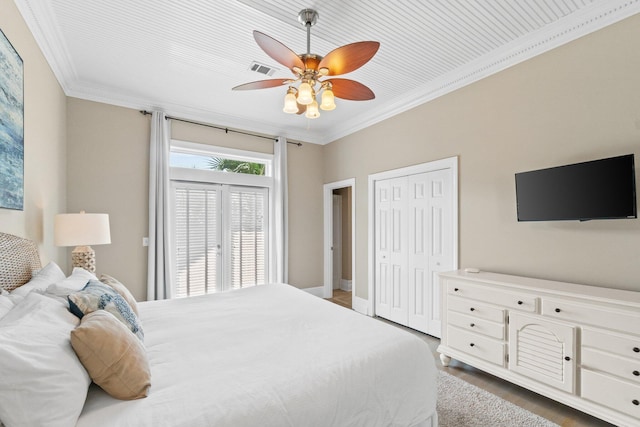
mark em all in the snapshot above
pixel 11 127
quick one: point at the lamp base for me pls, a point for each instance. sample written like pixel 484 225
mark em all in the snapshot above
pixel 84 257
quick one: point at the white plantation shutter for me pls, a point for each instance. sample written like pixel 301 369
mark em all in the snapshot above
pixel 248 228
pixel 197 239
pixel 208 259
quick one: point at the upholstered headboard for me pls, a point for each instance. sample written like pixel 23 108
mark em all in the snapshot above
pixel 18 258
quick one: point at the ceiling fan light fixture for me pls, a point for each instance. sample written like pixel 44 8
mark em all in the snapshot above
pixel 310 70
pixel 305 94
pixel 290 103
pixel 312 111
pixel 328 100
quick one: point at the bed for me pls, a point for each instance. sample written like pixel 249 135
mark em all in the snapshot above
pixel 269 355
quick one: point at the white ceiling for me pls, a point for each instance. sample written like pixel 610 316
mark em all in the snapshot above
pixel 184 57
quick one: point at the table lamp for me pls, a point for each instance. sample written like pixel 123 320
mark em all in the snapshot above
pixel 82 230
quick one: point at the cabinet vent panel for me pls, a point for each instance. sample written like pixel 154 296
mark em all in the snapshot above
pixel 541 351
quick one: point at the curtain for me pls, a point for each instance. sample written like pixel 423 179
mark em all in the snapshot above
pixel 158 271
pixel 280 211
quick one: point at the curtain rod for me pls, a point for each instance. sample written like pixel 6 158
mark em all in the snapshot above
pixel 226 130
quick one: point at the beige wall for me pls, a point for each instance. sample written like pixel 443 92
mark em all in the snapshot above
pixel 44 143
pixel 108 160
pixel 108 170
pixel 578 102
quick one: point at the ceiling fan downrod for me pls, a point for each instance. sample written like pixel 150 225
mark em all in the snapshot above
pixel 308 18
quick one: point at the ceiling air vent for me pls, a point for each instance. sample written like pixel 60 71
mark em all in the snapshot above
pixel 262 69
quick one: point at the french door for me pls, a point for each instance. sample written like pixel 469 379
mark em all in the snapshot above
pixel 219 237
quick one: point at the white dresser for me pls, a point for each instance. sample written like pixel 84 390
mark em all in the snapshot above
pixel 577 344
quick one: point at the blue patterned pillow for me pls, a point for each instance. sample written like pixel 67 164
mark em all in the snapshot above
pixel 98 296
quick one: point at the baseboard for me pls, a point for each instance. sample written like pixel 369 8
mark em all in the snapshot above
pixel 345 285
pixel 317 291
pixel 361 305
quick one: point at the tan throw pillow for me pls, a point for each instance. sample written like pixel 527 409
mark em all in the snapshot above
pixel 114 358
pixel 122 290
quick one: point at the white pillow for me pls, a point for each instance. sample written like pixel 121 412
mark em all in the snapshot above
pixel 6 304
pixel 76 282
pixel 43 382
pixel 51 273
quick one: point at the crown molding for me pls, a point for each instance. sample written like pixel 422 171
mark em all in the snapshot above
pixel 563 31
pixel 52 46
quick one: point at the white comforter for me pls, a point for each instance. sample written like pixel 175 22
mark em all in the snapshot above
pixel 272 356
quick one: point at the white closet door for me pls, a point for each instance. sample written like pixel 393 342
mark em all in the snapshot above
pixel 430 246
pixel 391 249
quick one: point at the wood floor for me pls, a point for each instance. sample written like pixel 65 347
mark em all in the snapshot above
pixel 341 297
pixel 540 405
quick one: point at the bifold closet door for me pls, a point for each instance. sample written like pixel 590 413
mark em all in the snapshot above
pixel 413 243
pixel 391 249
pixel 430 246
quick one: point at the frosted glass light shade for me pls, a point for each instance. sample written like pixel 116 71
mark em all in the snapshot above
pixel 81 229
pixel 328 100
pixel 305 94
pixel 312 111
pixel 290 103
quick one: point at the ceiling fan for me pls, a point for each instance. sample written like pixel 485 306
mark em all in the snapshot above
pixel 310 68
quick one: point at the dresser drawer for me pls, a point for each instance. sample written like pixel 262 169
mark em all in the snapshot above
pixel 626 369
pixel 476 325
pixel 622 345
pixel 475 309
pixel 510 300
pixel 595 315
pixel 608 391
pixel 476 345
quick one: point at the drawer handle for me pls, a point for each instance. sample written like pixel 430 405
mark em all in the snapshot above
pixel 636 373
pixel 567 358
pixel 473 324
pixel 472 309
pixel 557 310
pixel 455 289
pixel 472 344
pixel 636 349
pixel 635 402
pixel 520 302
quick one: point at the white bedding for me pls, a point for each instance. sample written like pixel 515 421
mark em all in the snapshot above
pixel 272 356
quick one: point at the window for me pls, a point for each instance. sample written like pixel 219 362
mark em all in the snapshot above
pixel 220 223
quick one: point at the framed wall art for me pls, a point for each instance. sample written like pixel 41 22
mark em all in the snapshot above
pixel 11 127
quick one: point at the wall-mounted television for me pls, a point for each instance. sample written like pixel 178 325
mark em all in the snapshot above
pixel 599 189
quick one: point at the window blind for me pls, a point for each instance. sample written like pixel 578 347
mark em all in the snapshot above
pixel 248 237
pixel 196 240
pixel 220 237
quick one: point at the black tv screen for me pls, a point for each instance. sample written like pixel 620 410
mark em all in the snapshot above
pixel 599 189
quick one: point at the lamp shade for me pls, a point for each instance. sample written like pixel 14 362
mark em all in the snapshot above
pixel 81 229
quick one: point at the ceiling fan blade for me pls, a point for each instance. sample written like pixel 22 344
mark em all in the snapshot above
pixel 350 89
pixel 349 57
pixel 262 84
pixel 301 109
pixel 278 51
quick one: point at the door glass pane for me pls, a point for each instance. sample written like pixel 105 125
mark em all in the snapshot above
pixel 248 237
pixel 196 240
